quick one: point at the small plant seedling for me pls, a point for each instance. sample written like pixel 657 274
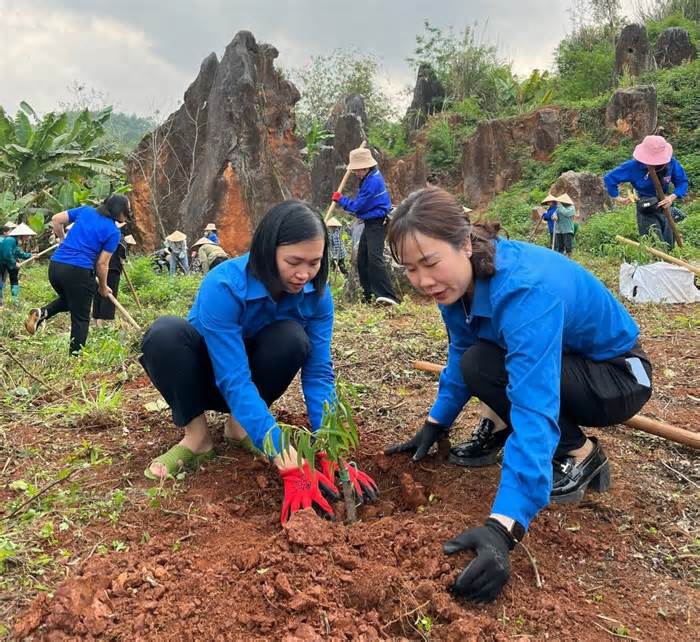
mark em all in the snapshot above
pixel 336 437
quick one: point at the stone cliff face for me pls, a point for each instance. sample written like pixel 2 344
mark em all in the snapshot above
pixel 225 156
pixel 492 157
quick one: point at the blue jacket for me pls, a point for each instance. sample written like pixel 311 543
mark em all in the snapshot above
pixel 372 200
pixel 632 171
pixel 212 237
pixel 88 238
pixel 10 251
pixel 231 306
pixel 547 216
pixel 538 305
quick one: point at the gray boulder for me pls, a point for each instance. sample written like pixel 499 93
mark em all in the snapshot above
pixel 586 189
pixel 633 54
pixel 428 98
pixel 632 111
pixel 674 47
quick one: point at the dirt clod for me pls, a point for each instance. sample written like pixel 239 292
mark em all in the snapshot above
pixel 412 493
pixel 305 528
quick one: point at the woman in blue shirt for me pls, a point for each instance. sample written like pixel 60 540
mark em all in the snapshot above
pixel 257 320
pixel 652 154
pixel 521 341
pixel 82 255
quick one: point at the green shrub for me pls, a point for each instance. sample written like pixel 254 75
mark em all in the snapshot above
pixel 585 68
pixel 390 137
pixel 655 27
pixel 690 227
pixel 443 149
pixel 597 234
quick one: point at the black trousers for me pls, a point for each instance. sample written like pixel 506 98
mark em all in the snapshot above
pixel 217 261
pixel 102 307
pixel 76 288
pixel 12 273
pixel 654 219
pixel 593 393
pixel 374 277
pixel 564 242
pixel 176 360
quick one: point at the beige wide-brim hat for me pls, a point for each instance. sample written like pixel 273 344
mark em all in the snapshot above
pixel 548 199
pixel 210 227
pixel 334 222
pixel 129 240
pixel 361 158
pixel 22 230
pixel 176 236
pixel 564 198
pixel 203 241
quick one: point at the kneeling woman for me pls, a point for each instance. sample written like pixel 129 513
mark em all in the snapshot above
pixel 538 339
pixel 257 320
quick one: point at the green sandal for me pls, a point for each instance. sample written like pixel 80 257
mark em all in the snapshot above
pixel 245 444
pixel 177 458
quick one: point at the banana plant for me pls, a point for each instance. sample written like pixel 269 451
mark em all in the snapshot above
pixel 336 437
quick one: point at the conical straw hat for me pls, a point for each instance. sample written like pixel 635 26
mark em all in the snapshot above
pixel 210 227
pixel 564 198
pixel 333 222
pixel 120 225
pixel 9 225
pixel 203 241
pixel 176 236
pixel 129 240
pixel 549 199
pixel 22 230
pixel 467 210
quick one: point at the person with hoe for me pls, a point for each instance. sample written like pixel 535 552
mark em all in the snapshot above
pixel 176 244
pixel 551 202
pixel 337 249
pixel 209 254
pixel 371 206
pixel 653 154
pixel 257 320
pixel 10 251
pixel 210 233
pixel 102 308
pixel 563 219
pixel 81 255
pixel 520 341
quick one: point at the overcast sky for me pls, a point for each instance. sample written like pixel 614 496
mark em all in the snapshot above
pixel 142 54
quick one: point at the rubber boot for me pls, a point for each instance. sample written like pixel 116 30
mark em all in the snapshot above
pixel 14 290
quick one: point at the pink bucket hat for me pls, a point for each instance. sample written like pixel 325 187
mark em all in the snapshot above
pixel 653 150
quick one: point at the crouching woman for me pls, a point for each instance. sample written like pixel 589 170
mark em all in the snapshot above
pixel 519 340
pixel 257 320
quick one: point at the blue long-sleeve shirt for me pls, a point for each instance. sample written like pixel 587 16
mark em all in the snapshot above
pixel 372 200
pixel 636 173
pixel 547 216
pixel 212 236
pixel 231 306
pixel 538 305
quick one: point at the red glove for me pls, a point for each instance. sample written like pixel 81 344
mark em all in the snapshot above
pixel 301 490
pixel 336 196
pixel 365 487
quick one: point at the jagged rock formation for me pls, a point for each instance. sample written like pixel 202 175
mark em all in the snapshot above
pixel 225 156
pixel 633 52
pixel 633 111
pixel 674 47
pixel 492 157
pixel 428 98
pixel 586 189
pixel 349 104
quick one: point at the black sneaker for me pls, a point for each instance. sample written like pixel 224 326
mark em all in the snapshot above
pixel 483 447
pixel 35 318
pixel 571 479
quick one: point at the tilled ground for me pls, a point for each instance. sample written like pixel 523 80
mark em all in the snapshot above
pixel 217 565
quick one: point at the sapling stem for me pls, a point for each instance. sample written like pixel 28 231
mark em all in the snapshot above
pixel 348 498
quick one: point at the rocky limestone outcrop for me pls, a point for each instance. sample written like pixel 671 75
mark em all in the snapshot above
pixel 428 98
pixel 349 104
pixel 586 189
pixel 225 156
pixel 633 54
pixel 492 157
pixel 633 111
pixel 674 47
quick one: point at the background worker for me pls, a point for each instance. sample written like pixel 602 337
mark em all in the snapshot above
pixel 337 248
pixel 81 255
pixel 210 232
pixel 209 254
pixel 656 153
pixel 371 206
pixel 10 252
pixel 102 308
pixel 563 219
pixel 176 244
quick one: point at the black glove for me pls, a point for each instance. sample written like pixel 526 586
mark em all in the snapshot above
pixel 484 577
pixel 421 442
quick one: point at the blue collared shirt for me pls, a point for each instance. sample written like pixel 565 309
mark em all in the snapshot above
pixel 372 200
pixel 538 305
pixel 547 216
pixel 212 236
pixel 231 306
pixel 636 173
